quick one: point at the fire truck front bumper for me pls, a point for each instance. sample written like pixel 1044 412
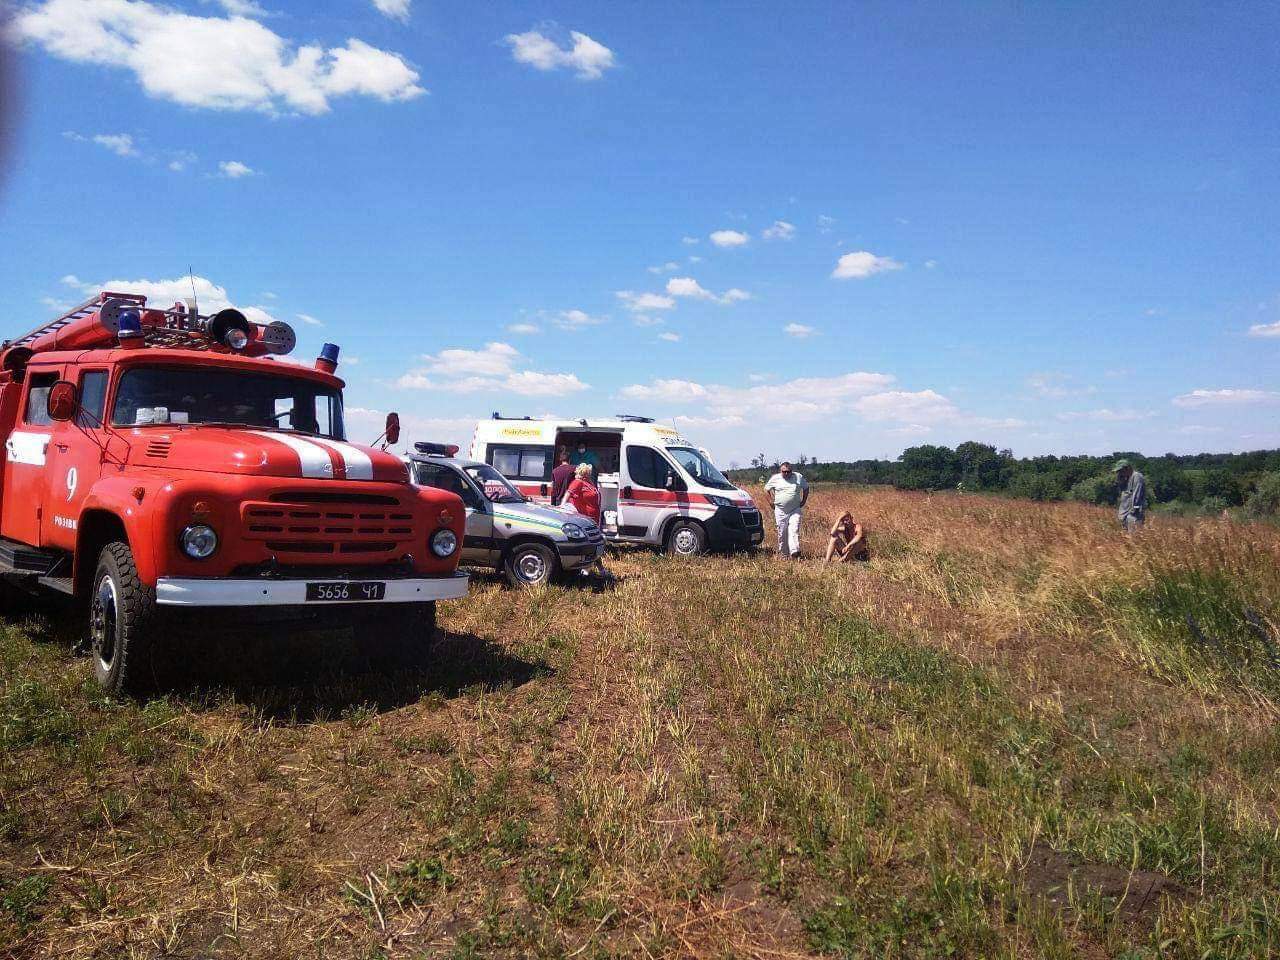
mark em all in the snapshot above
pixel 263 592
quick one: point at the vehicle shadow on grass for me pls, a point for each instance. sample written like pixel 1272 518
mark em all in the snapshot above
pixel 307 676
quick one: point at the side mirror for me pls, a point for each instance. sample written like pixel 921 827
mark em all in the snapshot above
pixel 393 429
pixel 62 401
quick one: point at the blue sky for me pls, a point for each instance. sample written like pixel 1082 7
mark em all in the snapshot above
pixel 830 229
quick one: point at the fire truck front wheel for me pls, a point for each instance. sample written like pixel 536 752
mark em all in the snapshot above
pixel 122 622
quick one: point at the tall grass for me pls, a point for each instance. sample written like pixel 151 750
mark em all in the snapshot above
pixel 1002 737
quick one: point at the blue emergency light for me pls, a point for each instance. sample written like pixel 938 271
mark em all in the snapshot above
pixel 130 324
pixel 329 351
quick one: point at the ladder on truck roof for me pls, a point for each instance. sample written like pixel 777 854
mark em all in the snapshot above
pixel 78 313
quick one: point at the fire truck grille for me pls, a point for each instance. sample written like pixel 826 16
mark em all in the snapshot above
pixel 313 525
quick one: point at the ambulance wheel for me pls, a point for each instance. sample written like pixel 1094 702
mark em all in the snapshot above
pixel 400 635
pixel 687 539
pixel 122 624
pixel 530 565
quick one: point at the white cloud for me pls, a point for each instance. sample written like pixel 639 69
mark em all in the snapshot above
pixel 669 267
pixel 1265 329
pixel 640 302
pixel 761 377
pixel 798 330
pixel 1225 398
pixel 695 259
pixel 523 328
pixel 930 264
pixel 181 159
pixel 665 391
pixel 494 360
pixel 729 238
pixel 163 294
pixel 120 144
pixel 669 337
pixel 690 288
pixel 825 223
pixel 309 320
pixel 644 320
pixel 242 8
pixel 529 383
pixel 708 423
pixel 395 9
pixel 491 369
pixel 1055 386
pixel 217 63
pixel 781 230
pixel 587 58
pixel 690 241
pixel 918 407
pixel 56 305
pixel 806 399
pixel 1105 415
pixel 234 169
pixel 862 264
pixel 574 319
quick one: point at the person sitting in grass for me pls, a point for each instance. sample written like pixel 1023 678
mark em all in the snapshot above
pixel 848 541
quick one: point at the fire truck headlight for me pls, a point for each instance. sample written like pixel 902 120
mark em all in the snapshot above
pixel 444 542
pixel 573 531
pixel 199 541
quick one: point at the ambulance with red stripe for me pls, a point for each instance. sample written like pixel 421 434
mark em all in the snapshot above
pixel 656 487
pixel 159 462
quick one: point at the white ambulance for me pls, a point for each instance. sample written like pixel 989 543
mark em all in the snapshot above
pixel 656 487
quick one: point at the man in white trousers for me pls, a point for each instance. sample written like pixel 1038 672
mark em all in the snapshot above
pixel 788 492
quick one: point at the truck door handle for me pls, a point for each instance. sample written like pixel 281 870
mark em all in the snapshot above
pixel 62 447
pixel 544 490
pixel 626 492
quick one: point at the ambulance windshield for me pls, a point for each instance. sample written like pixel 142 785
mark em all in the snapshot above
pixel 700 468
pixel 209 395
pixel 495 486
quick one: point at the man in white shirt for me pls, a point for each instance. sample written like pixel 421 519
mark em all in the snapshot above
pixel 788 492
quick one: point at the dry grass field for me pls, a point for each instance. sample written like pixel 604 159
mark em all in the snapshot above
pixel 1014 733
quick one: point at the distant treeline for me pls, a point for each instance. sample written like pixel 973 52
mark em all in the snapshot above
pixel 1196 483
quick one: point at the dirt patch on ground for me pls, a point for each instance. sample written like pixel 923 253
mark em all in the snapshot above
pixel 1058 879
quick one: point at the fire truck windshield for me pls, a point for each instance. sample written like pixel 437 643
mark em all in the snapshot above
pixel 209 395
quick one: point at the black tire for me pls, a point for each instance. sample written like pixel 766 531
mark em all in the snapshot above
pixel 686 538
pixel 400 635
pixel 123 622
pixel 530 565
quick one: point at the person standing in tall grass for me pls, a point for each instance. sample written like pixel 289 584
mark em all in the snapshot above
pixel 788 493
pixel 1132 510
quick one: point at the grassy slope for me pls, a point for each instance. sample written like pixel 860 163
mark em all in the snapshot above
pixel 1000 738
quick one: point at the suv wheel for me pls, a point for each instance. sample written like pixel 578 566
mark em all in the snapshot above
pixel 122 623
pixel 687 539
pixel 530 565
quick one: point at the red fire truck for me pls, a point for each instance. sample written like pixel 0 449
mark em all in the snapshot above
pixel 160 460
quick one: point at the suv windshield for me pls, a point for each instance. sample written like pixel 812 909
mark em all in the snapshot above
pixel 154 395
pixel 495 485
pixel 700 468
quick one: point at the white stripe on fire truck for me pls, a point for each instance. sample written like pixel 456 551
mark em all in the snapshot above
pixel 313 458
pixel 359 464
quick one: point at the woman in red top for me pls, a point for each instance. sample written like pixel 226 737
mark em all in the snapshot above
pixel 582 494
pixel 583 497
